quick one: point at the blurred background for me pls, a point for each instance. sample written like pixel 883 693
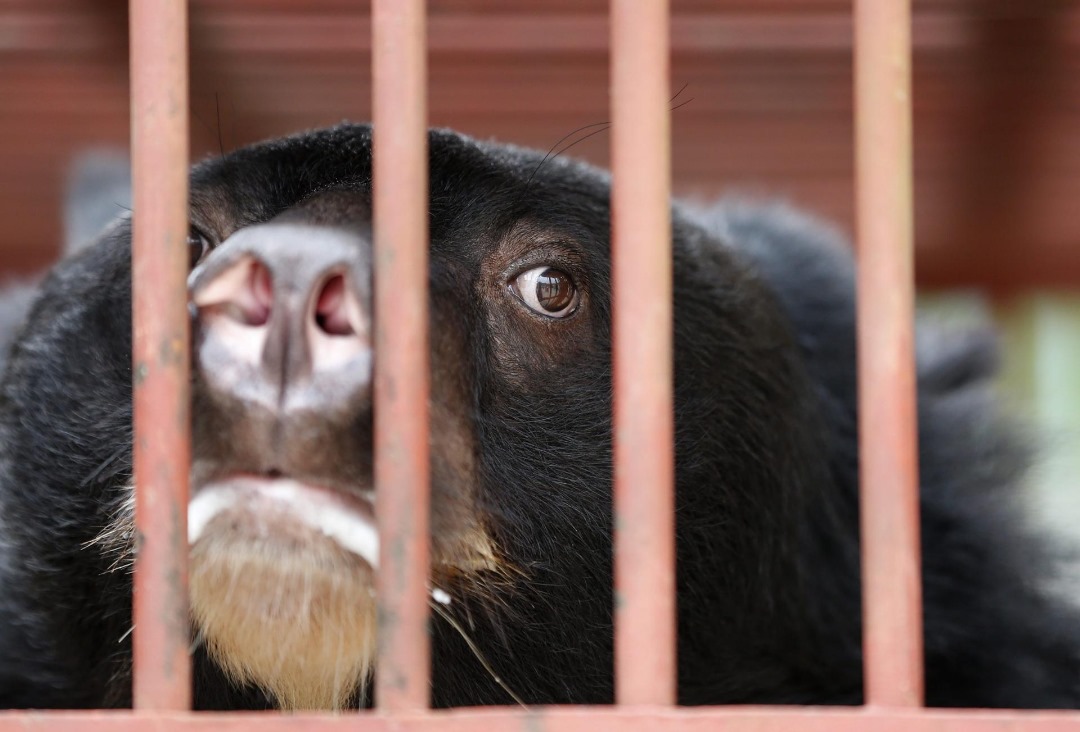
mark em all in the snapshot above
pixel 764 107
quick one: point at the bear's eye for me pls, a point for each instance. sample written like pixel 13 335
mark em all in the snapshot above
pixel 198 246
pixel 547 291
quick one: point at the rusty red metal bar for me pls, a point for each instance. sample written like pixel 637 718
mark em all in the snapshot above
pixel 562 719
pixel 645 664
pixel 889 470
pixel 159 142
pixel 401 370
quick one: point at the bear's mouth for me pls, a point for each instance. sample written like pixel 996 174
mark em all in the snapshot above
pixel 282 584
pixel 288 511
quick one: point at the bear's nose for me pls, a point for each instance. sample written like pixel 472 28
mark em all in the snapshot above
pixel 283 316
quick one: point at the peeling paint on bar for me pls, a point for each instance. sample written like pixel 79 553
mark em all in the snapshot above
pixel 401 370
pixel 159 143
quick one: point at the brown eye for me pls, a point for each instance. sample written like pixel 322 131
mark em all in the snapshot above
pixel 198 245
pixel 547 291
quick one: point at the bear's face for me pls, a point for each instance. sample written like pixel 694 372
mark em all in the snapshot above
pixel 282 519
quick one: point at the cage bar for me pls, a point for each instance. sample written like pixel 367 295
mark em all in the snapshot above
pixel 401 370
pixel 159 143
pixel 645 667
pixel 889 474
pixel 564 719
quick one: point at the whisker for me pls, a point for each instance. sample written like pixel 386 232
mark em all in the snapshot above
pixel 582 139
pixel 555 151
pixel 443 613
pixel 561 140
pixel 217 113
pixel 680 105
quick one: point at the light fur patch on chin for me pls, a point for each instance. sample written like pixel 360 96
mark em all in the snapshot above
pixel 298 624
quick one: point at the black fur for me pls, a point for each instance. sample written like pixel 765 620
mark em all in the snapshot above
pixel 768 559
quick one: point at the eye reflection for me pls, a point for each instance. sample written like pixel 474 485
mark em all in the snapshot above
pixel 547 291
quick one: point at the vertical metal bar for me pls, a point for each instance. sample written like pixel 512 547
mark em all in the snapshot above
pixel 889 475
pixel 645 669
pixel 401 378
pixel 159 142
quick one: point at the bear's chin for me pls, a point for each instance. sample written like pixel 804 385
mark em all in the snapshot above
pixel 279 601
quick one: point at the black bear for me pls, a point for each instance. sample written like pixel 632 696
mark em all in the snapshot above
pixel 282 544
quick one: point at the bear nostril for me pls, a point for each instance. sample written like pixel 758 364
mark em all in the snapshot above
pixel 243 291
pixel 256 312
pixel 331 314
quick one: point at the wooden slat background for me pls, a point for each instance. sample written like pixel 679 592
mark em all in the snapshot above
pixel 768 92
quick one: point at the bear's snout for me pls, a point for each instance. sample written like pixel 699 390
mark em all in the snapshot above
pixel 283 318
